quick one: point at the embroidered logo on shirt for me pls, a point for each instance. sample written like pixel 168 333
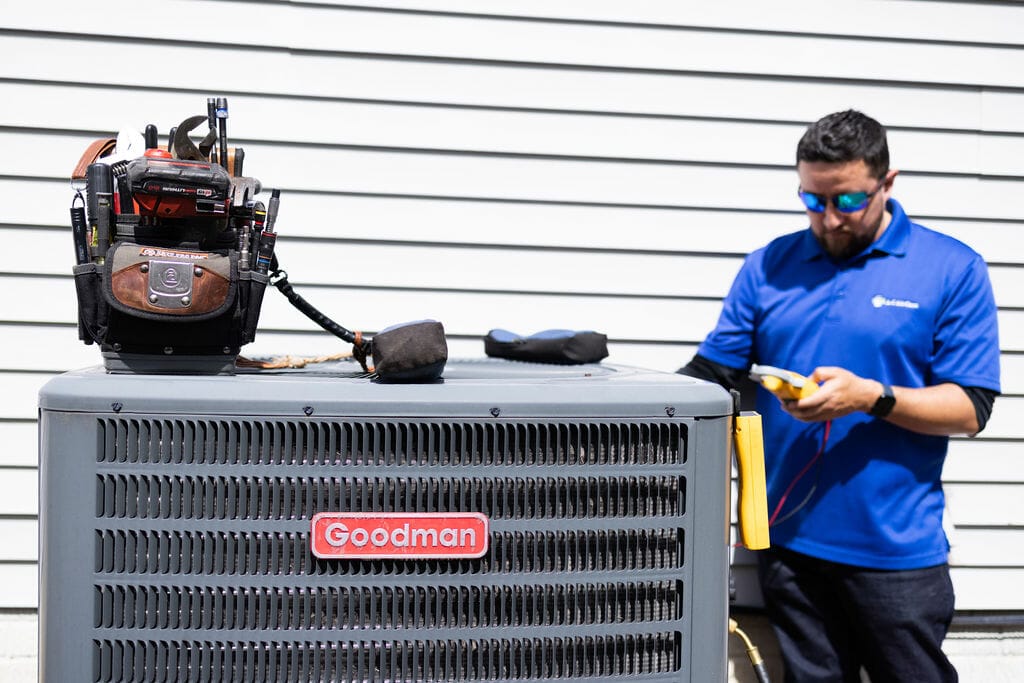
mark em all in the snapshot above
pixel 879 301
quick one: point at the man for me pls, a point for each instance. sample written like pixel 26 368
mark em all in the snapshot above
pixel 898 325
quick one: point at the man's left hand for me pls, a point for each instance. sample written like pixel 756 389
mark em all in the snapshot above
pixel 841 393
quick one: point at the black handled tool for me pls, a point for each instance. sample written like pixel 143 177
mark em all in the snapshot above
pixel 100 187
pixel 222 119
pixel 80 230
pixel 267 236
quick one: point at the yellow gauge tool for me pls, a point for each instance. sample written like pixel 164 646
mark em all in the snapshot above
pixel 753 504
pixel 785 384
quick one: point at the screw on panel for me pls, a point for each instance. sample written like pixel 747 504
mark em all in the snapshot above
pixel 495 411
pixel 116 406
pixel 670 411
pixel 308 410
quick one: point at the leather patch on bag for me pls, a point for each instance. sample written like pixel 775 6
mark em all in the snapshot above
pixel 169 282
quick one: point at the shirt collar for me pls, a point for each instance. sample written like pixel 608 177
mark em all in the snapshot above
pixel 893 241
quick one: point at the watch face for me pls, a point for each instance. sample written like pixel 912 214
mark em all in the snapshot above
pixel 885 403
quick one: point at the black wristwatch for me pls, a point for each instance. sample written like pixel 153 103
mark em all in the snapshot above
pixel 885 403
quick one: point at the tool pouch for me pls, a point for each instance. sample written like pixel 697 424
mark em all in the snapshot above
pixel 168 301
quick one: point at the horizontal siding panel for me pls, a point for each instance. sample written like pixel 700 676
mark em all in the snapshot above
pixel 46 348
pixel 987 548
pixel 995 589
pixel 463 37
pixel 550 180
pixel 19 401
pixel 957 22
pixel 55 348
pixel 660 357
pixel 21 539
pixel 987 504
pixel 332 216
pixel 1007 286
pixel 19 585
pixel 463 313
pixel 365 77
pixel 1001 110
pixel 1007 418
pixel 1012 370
pixel 430 267
pixel 504 131
pixel 459 128
pixel 976 588
pixel 19 492
pixel 57 292
pixel 985 460
pixel 495 269
pixel 20 440
pixel 970 548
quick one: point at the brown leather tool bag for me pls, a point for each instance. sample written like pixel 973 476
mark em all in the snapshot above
pixel 148 299
pixel 153 283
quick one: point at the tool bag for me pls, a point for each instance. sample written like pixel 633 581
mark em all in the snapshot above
pixel 167 267
pixel 183 302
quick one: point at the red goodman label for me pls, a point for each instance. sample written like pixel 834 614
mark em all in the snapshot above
pixel 399 535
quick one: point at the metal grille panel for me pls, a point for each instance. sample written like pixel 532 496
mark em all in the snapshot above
pixel 176 547
pixel 278 498
pixel 370 608
pixel 283 554
pixel 197 442
pixel 506 659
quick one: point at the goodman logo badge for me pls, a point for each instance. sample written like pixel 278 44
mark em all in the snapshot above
pixel 398 535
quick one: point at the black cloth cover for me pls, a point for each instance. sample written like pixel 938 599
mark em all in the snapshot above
pixel 410 352
pixel 566 347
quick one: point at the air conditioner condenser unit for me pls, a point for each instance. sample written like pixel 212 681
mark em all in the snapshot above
pixel 512 522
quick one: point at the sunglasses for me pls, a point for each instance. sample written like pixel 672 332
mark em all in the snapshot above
pixel 847 202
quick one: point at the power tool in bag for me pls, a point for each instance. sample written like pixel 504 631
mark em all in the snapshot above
pixel 174 252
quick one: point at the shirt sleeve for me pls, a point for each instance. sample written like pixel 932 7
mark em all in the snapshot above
pixel 731 343
pixel 966 343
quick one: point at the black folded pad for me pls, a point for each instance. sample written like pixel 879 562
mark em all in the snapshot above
pixel 410 352
pixel 567 347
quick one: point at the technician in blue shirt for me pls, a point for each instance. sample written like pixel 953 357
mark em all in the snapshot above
pixel 897 323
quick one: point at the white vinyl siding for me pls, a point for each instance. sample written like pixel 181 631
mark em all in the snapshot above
pixel 579 164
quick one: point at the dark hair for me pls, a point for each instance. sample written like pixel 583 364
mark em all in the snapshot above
pixel 846 136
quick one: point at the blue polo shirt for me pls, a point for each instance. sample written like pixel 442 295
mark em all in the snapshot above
pixel 914 309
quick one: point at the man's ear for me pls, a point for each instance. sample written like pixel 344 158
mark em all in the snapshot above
pixel 889 178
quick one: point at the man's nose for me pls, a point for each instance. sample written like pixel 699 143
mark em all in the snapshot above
pixel 832 219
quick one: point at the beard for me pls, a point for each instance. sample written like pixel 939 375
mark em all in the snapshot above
pixel 846 243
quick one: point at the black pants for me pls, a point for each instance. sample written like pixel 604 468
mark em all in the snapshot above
pixel 831 619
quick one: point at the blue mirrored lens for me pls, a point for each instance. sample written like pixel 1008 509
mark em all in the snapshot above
pixel 813 202
pixel 851 201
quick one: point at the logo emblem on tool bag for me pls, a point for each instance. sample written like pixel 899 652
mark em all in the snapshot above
pixel 394 535
pixel 170 283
